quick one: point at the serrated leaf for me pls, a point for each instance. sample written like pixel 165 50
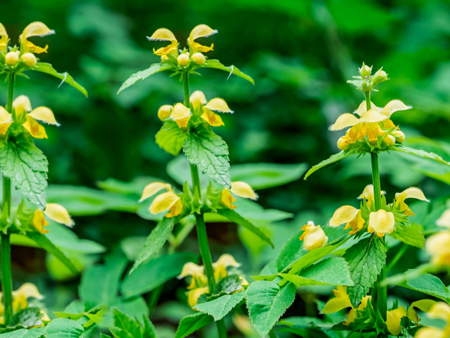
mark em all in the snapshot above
pixel 192 323
pixel 231 69
pixel 26 166
pixel 290 252
pixel 421 153
pixel 366 259
pixel 63 328
pixel 227 285
pixel 267 302
pixel 332 159
pixel 220 307
pixel 209 152
pixel 155 241
pixel 239 220
pixel 143 74
pixel 409 234
pixel 27 317
pixel 170 138
pixel 124 322
pixel 65 77
pixel 430 285
pixel 48 246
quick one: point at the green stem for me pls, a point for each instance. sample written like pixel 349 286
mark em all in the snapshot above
pixel 397 257
pixel 368 102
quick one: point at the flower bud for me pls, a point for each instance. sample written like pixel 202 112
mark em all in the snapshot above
pixel 379 76
pixel 399 135
pixel 389 140
pixel 198 58
pixel 164 112
pixel 313 237
pixel 29 59
pixel 365 71
pixel 342 143
pixel 183 59
pixel 11 58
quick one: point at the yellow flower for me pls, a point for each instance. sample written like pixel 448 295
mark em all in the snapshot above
pixel 438 246
pixel 441 311
pixel 181 115
pixel 200 31
pixel 393 320
pixel 195 294
pixel 381 222
pixel 22 106
pixel 5 121
pixel 197 273
pixel 424 305
pixel 20 298
pixel 198 101
pixel 221 265
pixel 240 189
pixel 369 195
pixel 408 193
pixel 34 29
pixel 430 332
pixel 163 202
pixel 444 220
pixel 163 34
pixel 53 211
pixel 3 39
pixel 313 237
pixel 351 216
pixel 164 112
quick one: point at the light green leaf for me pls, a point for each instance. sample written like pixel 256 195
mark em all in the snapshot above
pixel 231 69
pixel 239 220
pixel 430 285
pixel 170 137
pixel 155 241
pixel 192 323
pixel 421 153
pixel 290 252
pixel 409 234
pixel 124 322
pixel 209 152
pixel 266 303
pixel 366 259
pixel 27 317
pixel 220 307
pixel 63 328
pixel 143 74
pixel 26 166
pixel 65 77
pixel 332 159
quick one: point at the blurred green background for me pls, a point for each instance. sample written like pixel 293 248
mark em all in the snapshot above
pixel 300 54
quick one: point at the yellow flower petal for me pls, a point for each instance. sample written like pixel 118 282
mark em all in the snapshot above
pixel 409 193
pixel 164 112
pixel 197 99
pixel 58 213
pixel 218 105
pixel 44 114
pixel 34 128
pixel 430 332
pixel 341 301
pixel 228 199
pixel 368 194
pixel 181 115
pixel 243 189
pixel 163 34
pixel 221 265
pixel 381 222
pixel 344 121
pixel 39 221
pixel 393 106
pixel 440 310
pixel 315 239
pixel 363 108
pixel 153 188
pixel 444 220
pixel 393 320
pixel 34 29
pixel 191 269
pixel 201 31
pixel 438 246
pixel 372 116
pixel 163 202
pixel 28 290
pixel 213 119
pixel 343 215
pixel 22 105
pixel 355 224
pixel 5 121
pixel 424 305
pixel 195 294
pixel 3 39
pixel 175 209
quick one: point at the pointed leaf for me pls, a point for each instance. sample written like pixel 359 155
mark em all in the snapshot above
pixel 220 307
pixel 170 138
pixel 409 234
pixel 430 285
pixel 332 159
pixel 63 328
pixel 143 74
pixel 192 323
pixel 421 153
pixel 231 69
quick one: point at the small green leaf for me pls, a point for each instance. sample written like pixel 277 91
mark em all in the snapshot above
pixel 228 285
pixel 26 166
pixel 239 220
pixel 124 322
pixel 266 303
pixel 170 137
pixel 27 317
pixel 430 285
pixel 143 74
pixel 220 307
pixel 192 323
pixel 421 153
pixel 155 241
pixel 409 234
pixel 231 69
pixel 209 152
pixel 290 252
pixel 366 259
pixel 332 159
pixel 65 77
pixel 66 328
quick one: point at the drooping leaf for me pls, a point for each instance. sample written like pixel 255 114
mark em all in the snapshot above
pixel 410 234
pixel 209 152
pixel 63 328
pixel 65 77
pixel 192 323
pixel 220 307
pixel 143 74
pixel 430 285
pixel 421 153
pixel 332 159
pixel 266 303
pixel 170 137
pixel 239 220
pixel 231 69
pixel 155 241
pixel 366 260
pixel 27 167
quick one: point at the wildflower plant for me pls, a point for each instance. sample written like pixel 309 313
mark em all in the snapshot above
pixel 25 168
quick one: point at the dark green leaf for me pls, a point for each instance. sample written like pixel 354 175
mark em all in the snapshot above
pixel 143 74
pixel 171 138
pixel 231 69
pixel 409 234
pixel 332 159
pixel 122 321
pixel 192 323
pixel 290 252
pixel 220 307
pixel 63 328
pixel 430 285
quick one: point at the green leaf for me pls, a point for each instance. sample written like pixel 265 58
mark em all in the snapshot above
pixel 155 241
pixel 421 153
pixel 143 74
pixel 409 234
pixel 290 252
pixel 267 175
pixel 238 219
pixel 231 69
pixel 192 323
pixel 65 77
pixel 430 285
pixel 48 246
pixel 27 167
pixel 162 269
pixel 63 328
pixel 210 153
pixel 331 271
pixel 332 159
pixel 220 307
pixel 228 285
pixel 266 303
pixel 122 321
pixel 170 137
pixel 27 317
pixel 366 259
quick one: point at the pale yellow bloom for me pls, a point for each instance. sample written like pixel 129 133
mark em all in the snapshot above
pixel 198 100
pixel 181 115
pixel 424 305
pixel 369 195
pixel 430 332
pixel 194 295
pixel 53 211
pixel 163 202
pixel 200 31
pixel 444 220
pixel 240 189
pixel 5 121
pixel 29 59
pixel 438 246
pixel 164 112
pixel 163 34
pixel 197 272
pixel 351 216
pixel 393 320
pixel 198 58
pixel 20 298
pixel 313 237
pixel 34 29
pixel 381 222
pixel 221 265
pixel 408 193
pixel 441 311
pixel 3 39
pixel 12 58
